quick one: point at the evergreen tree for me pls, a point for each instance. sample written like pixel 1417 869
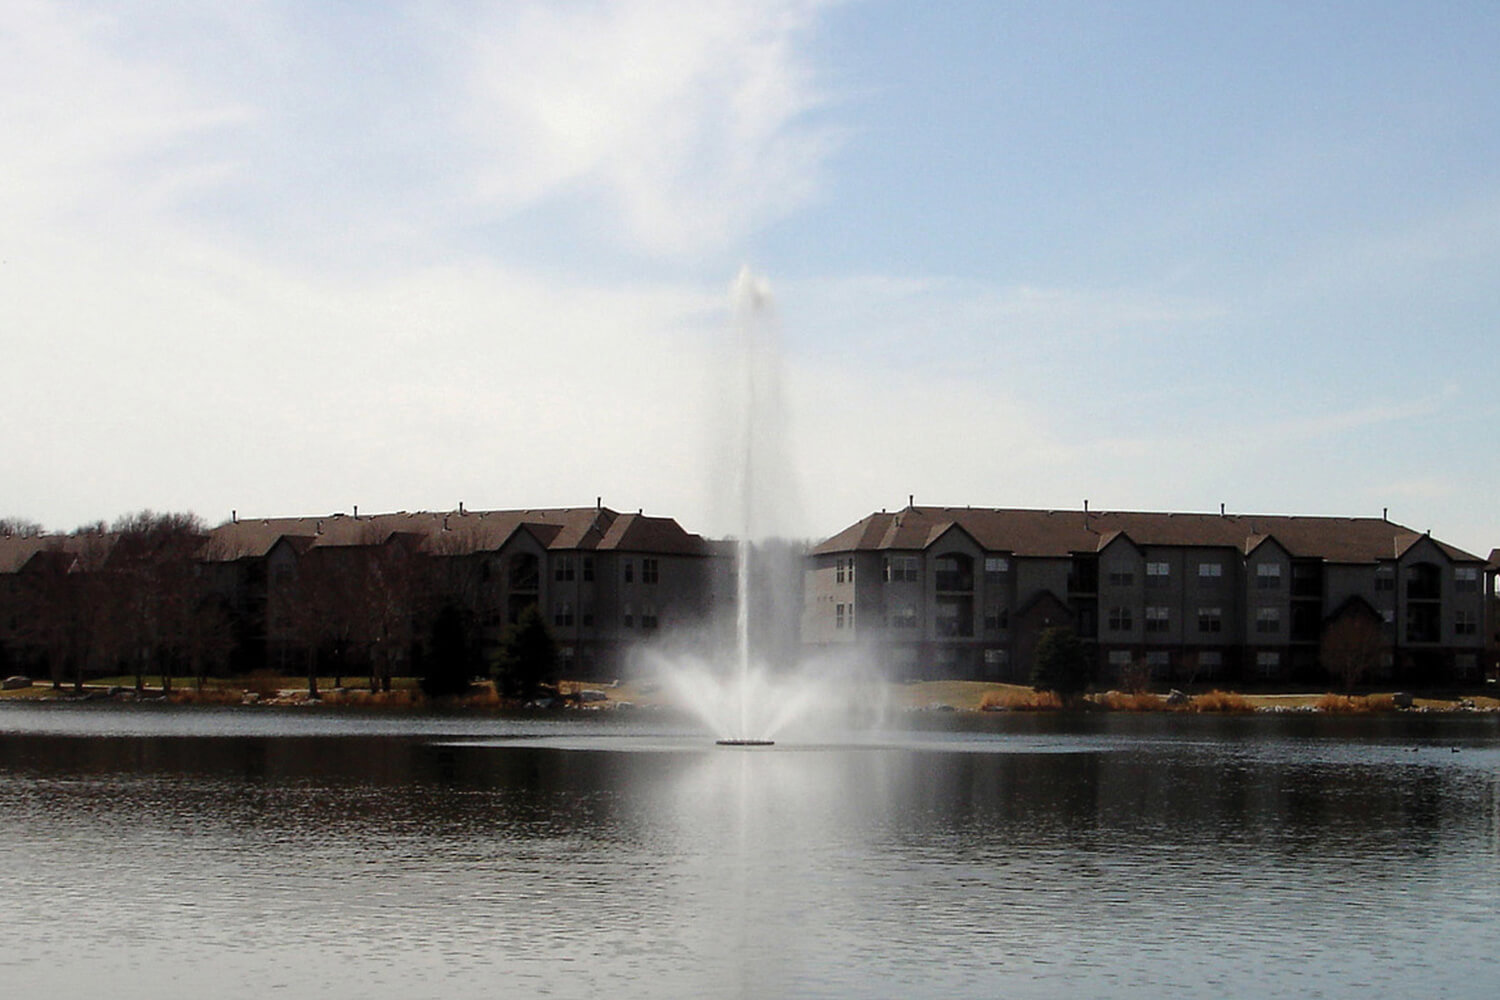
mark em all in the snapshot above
pixel 448 665
pixel 528 657
pixel 1062 664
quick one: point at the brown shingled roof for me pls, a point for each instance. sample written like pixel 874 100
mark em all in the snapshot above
pixel 454 532
pixel 16 552
pixel 1062 533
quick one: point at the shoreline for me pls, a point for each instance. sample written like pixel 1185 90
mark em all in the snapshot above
pixel 922 696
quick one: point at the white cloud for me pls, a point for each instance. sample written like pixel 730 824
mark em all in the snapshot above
pixel 92 135
pixel 688 120
pixel 198 378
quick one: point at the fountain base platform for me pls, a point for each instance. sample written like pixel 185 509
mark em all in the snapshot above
pixel 745 743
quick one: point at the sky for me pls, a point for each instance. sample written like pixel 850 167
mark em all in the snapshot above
pixel 282 258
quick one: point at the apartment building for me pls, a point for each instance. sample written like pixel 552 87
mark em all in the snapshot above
pixel 965 592
pixel 374 585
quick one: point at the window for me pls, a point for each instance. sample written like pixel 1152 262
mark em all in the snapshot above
pixel 1210 660
pixel 648 616
pixel 562 569
pixel 1158 619
pixel 650 572
pixel 1267 664
pixel 995 658
pixel 1119 658
pixel 1385 579
pixel 1158 574
pixel 1423 582
pixel 628 618
pixel 1465 623
pixel 1210 571
pixel 588 618
pixel 904 616
pixel 562 615
pixel 524 571
pixel 838 616
pixel 1159 662
pixel 901 569
pixel 953 619
pixel 1268 576
pixel 588 569
pixel 1210 619
pixel 995 566
pixel 1466 579
pixel 1268 619
pixel 1307 579
pixel 838 571
pixel 628 571
pixel 997 619
pixel 954 572
pixel 1120 620
pixel 1121 578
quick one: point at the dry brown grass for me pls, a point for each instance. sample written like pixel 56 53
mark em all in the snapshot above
pixel 1013 700
pixel 481 696
pixel 1133 701
pixel 1222 701
pixel 266 683
pixel 397 698
pixel 1343 704
pixel 207 696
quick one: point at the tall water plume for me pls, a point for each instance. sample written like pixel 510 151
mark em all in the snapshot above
pixel 764 481
pixel 758 683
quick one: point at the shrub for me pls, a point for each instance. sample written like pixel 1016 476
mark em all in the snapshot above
pixel 481 696
pixel 1021 701
pixel 1222 701
pixel 1132 701
pixel 1135 676
pixel 1342 704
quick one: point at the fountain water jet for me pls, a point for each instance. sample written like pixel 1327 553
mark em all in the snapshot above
pixel 758 685
pixel 747 707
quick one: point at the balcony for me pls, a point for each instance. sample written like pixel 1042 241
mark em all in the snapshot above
pixel 954 618
pixel 954 574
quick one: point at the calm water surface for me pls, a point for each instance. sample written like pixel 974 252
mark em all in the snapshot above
pixel 251 853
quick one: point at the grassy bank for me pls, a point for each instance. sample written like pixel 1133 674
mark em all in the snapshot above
pixel 961 696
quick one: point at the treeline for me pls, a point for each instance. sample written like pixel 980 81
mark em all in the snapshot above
pixel 129 597
pixel 149 596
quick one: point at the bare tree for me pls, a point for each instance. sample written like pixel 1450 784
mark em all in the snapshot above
pixel 1351 645
pixel 91 611
pixel 48 595
pixel 323 609
pixel 393 570
pixel 155 576
pixel 19 527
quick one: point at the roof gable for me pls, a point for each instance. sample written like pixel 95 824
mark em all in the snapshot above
pixel 1053 533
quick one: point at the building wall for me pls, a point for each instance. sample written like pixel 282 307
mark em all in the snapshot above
pixel 1190 611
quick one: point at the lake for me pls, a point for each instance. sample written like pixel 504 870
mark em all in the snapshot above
pixel 161 853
